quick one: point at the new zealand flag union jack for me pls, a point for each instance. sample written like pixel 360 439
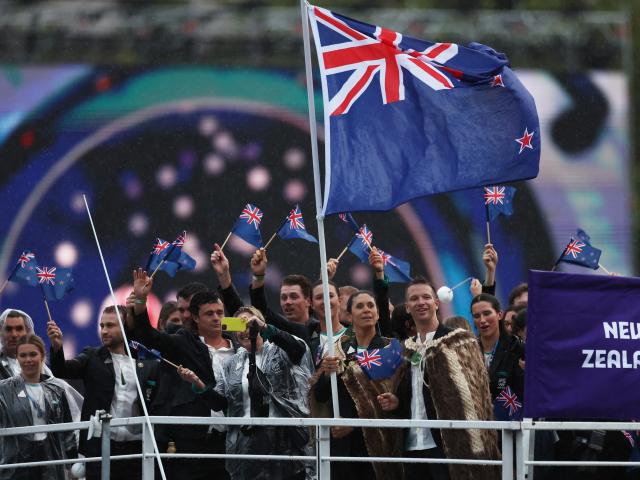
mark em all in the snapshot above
pixel 408 117
pixel 293 227
pixel 247 226
pixel 579 251
pixel 381 363
pixel 507 406
pixel 498 200
pixel 25 271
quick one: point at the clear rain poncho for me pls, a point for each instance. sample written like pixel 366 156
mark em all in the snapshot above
pixel 287 387
pixel 15 411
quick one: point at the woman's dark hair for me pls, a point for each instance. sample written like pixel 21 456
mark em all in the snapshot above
pixel 355 294
pixel 319 282
pixel 399 319
pixel 485 297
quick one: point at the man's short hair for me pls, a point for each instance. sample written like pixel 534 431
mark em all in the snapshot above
pixel 202 298
pixel 112 309
pixel 191 289
pixel 300 280
pixel 517 291
pixel 419 280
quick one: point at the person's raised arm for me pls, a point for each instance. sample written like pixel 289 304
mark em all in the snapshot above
pixel 259 300
pixel 142 330
pixel 381 292
pixel 490 260
pixel 220 263
pixel 292 346
pixel 61 367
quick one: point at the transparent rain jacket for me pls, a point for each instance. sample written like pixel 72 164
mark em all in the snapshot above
pixel 15 411
pixel 287 386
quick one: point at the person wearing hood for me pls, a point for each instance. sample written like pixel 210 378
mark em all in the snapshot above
pixel 28 399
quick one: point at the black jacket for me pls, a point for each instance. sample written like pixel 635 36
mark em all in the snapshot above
pixel 175 397
pixel 405 393
pixel 505 368
pixel 94 366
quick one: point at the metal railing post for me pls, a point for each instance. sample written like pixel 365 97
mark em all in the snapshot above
pixel 507 454
pixel 324 450
pixel 105 419
pixel 148 471
pixel 520 456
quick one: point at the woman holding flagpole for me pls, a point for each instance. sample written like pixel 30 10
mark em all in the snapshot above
pixel 362 393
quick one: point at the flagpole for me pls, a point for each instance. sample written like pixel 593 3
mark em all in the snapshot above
pixel 318 195
pixel 461 283
pixel 270 240
pixel 225 241
pixel 126 344
pixel 46 305
pixel 486 211
pixel 599 264
pixel 344 250
pixel 4 285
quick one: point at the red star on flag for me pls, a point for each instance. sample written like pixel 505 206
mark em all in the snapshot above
pixel 497 81
pixel 525 140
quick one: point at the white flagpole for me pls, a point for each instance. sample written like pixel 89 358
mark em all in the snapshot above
pixel 126 344
pixel 316 182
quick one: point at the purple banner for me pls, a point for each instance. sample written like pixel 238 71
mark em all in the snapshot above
pixel 583 347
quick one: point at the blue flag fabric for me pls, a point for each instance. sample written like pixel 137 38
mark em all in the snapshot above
pixel 396 270
pixel 293 227
pixel 582 347
pixel 408 117
pixel 507 406
pixel 499 200
pixel 361 243
pixel 25 270
pixel 55 282
pixel 144 352
pixel 579 251
pixel 247 226
pixel 174 258
pixel 381 363
pixel 348 219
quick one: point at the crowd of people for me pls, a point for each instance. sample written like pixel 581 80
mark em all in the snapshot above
pixel 281 365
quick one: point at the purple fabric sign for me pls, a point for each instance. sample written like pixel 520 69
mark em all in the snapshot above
pixel 583 347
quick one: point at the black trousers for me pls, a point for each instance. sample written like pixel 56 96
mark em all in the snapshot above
pixel 198 468
pixel 119 469
pixel 426 471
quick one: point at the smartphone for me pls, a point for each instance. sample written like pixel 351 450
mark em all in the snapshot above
pixel 234 324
